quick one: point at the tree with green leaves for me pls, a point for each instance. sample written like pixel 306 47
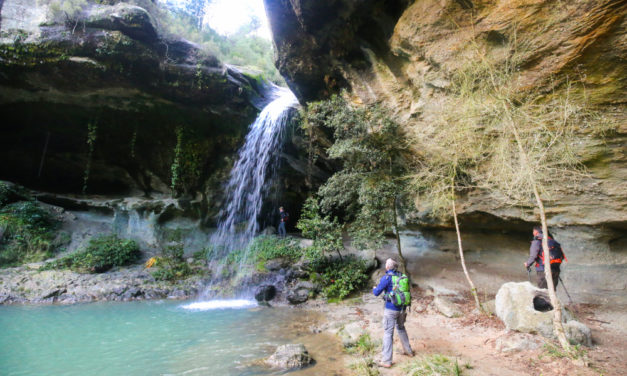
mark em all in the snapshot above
pixel 370 185
pixel 326 233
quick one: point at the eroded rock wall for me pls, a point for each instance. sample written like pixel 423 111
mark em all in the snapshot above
pixel 107 95
pixel 403 54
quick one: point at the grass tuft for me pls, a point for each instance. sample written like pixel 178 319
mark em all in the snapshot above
pixel 434 365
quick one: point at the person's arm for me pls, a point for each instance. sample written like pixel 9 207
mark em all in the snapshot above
pixel 533 252
pixel 381 287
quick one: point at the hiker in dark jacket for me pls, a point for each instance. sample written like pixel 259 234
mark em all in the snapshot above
pixel 536 255
pixel 284 218
pixel 393 316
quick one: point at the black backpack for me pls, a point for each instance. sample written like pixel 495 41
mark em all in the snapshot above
pixel 556 254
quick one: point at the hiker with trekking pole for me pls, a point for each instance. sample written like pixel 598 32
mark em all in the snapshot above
pixel 536 255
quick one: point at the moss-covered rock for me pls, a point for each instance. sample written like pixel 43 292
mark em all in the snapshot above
pixel 107 105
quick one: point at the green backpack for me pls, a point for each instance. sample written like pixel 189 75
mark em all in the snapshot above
pixel 400 295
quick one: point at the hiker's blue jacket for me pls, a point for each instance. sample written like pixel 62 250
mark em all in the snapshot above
pixel 385 285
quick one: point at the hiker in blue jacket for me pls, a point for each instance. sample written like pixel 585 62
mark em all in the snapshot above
pixel 392 316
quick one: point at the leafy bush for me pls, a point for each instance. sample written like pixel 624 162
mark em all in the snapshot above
pixel 101 254
pixel 26 232
pixel 268 247
pixel 326 233
pixel 171 264
pixel 339 278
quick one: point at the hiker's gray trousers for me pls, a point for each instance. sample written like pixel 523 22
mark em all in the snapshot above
pixel 393 319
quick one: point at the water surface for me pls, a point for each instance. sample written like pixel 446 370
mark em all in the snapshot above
pixel 153 338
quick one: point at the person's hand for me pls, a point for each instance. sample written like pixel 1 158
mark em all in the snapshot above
pixel 525 263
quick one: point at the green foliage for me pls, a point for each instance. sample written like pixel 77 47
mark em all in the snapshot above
pixel 339 278
pixel 243 48
pixel 65 10
pixel 101 254
pixel 92 133
pixel 175 168
pixel 364 346
pixel 326 233
pixel 172 265
pixel 26 233
pixel 365 367
pixel 577 351
pixel 268 247
pixel 5 194
pixel 431 365
pixel 373 153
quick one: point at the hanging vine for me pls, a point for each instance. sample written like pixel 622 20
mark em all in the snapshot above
pixel 133 142
pixel 92 129
pixel 176 163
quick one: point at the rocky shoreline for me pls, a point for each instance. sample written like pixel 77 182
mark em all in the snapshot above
pixel 28 285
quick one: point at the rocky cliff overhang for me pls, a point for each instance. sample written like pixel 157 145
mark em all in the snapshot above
pixel 141 92
pixel 403 54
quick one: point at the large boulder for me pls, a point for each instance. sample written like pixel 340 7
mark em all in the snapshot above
pixel 525 308
pixel 291 356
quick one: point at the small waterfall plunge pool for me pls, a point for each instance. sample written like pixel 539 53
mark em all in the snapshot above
pixel 156 338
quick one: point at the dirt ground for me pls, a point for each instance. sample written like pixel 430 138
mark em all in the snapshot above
pixel 472 339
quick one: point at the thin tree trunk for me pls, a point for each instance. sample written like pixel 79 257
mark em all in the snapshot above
pixel 473 289
pixel 398 245
pixel 557 307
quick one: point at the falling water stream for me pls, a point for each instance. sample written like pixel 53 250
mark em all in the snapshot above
pixel 252 175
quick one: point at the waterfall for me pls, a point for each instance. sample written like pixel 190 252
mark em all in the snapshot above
pixel 252 174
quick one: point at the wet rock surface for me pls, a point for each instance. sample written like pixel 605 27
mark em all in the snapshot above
pixel 265 293
pixel 288 357
pixel 139 90
pixel 27 284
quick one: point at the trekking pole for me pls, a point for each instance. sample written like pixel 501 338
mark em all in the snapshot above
pixel 529 274
pixel 570 301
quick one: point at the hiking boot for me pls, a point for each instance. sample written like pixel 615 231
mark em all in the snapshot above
pixel 385 365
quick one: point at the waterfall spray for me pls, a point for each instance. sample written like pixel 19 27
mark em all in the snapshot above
pixel 251 176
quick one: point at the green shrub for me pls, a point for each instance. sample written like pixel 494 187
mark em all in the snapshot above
pixel 5 193
pixel 339 278
pixel 171 264
pixel 268 247
pixel 101 254
pixel 26 233
pixel 326 233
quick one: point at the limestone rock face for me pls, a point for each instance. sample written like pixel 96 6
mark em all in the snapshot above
pixel 292 356
pixel 404 54
pixel 515 306
pixel 112 77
